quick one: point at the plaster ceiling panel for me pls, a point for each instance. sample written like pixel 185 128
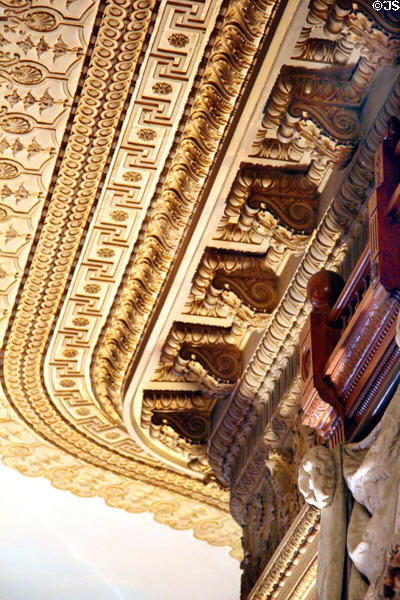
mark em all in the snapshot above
pixel 43 49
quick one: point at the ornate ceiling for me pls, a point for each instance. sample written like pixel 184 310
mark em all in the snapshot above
pixel 162 172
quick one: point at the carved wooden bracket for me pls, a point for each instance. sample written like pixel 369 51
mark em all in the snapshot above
pixel 256 286
pixel 320 404
pixel 186 412
pixel 331 103
pixel 193 426
pixel 293 199
pixel 384 211
pixel 222 361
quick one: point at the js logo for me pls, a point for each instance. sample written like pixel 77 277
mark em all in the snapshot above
pixel 386 5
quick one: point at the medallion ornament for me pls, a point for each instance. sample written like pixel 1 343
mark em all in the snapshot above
pixel 40 20
pixel 119 216
pixel 15 124
pixel 161 88
pixel 8 170
pixel 27 74
pixel 132 176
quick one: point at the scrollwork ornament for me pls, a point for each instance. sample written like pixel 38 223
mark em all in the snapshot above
pixel 192 426
pixel 222 361
pixel 257 293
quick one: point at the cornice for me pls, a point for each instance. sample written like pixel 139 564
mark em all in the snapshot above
pixel 272 356
pixel 164 88
pixel 231 58
pixel 103 96
pixel 102 99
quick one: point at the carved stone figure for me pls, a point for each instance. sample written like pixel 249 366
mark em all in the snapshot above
pixel 317 477
pixel 359 510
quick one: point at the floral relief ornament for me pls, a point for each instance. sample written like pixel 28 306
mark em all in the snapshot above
pixel 147 135
pixel 119 215
pixel 132 176
pixel 15 124
pixel 178 40
pixel 162 88
pixel 40 20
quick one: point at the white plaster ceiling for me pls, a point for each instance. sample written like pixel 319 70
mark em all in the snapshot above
pixel 56 546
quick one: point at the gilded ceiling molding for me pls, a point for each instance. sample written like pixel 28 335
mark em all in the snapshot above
pixel 306 582
pixel 165 85
pixel 104 92
pixel 113 61
pixel 23 450
pixel 231 58
pixel 272 356
pixel 206 355
pixel 118 45
pixel 308 121
pixel 43 51
pixel 295 543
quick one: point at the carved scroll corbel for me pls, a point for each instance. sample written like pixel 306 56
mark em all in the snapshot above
pixel 192 426
pixel 256 288
pixel 222 361
pixel 296 213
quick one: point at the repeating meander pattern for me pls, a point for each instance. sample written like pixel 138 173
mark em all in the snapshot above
pixel 165 80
